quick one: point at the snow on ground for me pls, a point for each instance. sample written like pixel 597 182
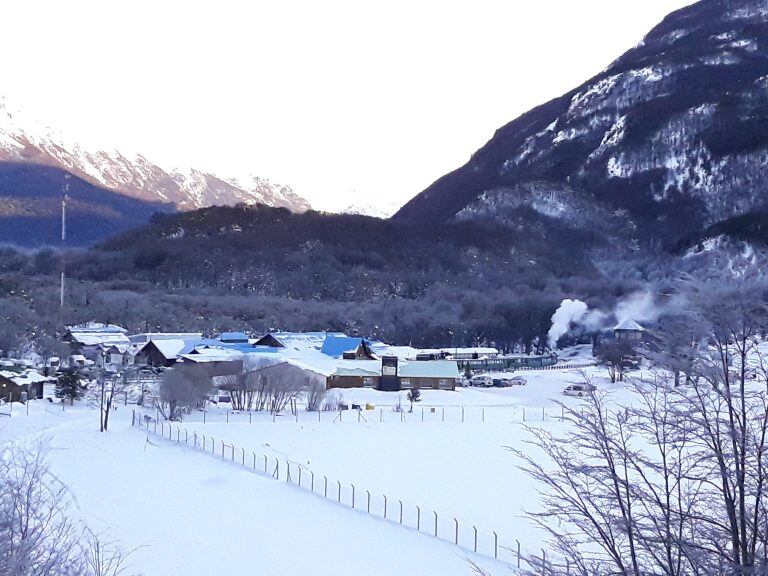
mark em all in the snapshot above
pixel 195 515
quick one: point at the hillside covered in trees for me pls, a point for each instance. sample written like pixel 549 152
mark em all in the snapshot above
pixel 260 269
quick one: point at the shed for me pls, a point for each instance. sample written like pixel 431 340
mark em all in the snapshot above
pixel 628 329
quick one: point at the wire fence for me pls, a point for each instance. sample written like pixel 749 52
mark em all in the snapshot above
pixel 446 527
pixel 369 414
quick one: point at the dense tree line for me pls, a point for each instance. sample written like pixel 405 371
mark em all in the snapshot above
pixel 261 269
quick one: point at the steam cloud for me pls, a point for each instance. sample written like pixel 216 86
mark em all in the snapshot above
pixel 569 312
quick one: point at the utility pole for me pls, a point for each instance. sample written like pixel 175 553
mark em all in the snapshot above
pixel 63 242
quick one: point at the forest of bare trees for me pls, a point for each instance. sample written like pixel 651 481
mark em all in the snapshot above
pixel 673 482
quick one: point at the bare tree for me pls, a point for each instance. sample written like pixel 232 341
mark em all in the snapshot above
pixel 675 482
pixel 285 382
pixel 104 558
pixel 182 388
pixel 315 396
pixel 37 538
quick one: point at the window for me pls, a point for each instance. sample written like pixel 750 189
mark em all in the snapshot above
pixel 405 382
pixel 369 382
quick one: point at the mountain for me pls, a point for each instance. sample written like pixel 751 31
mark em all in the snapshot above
pixel 136 178
pixel 385 210
pixel 30 207
pixel 666 143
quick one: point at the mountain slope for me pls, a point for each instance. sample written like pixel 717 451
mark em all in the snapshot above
pixel 669 140
pixel 137 177
pixel 30 207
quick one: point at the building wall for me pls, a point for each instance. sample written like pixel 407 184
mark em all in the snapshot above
pixel 429 383
pixel 353 382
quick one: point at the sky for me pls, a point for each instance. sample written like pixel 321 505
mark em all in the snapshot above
pixel 348 102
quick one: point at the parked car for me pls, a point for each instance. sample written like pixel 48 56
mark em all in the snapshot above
pixel 518 381
pixel 501 382
pixel 483 380
pixel 579 390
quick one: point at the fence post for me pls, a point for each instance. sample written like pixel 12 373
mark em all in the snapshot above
pixel 495 545
pixel 353 494
pixel 385 506
pixel 401 511
pixel 358 416
pixel 475 529
pixel 299 470
pixel 222 449
pixel 243 449
pixel 435 513
pixel 325 488
pixel 542 414
pixel 381 415
pixel 318 414
pixel 133 417
pixel 250 417
pixel 312 483
pixel 443 413
pixel 368 507
pixel 456 537
pixel 523 413
pixel 518 553
pixel 483 414
pixel 422 414
pixel 233 452
pixel 254 460
pixel 418 518
pixel 462 413
pixel 288 471
pixel 203 416
pixel 277 469
pixel 178 436
pixel 265 463
pixel 339 494
pixel 213 445
pixel 155 420
pixel 227 416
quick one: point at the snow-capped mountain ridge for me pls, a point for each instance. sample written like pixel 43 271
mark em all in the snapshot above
pixel 669 140
pixel 137 176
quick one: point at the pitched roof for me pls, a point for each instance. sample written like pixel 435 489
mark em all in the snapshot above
pixel 629 325
pixel 335 345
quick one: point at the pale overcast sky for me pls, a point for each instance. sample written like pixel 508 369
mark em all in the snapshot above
pixel 346 101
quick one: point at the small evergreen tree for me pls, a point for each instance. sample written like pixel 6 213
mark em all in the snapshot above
pixel 68 386
pixel 414 395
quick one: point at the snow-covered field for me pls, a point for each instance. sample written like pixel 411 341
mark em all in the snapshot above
pixel 193 514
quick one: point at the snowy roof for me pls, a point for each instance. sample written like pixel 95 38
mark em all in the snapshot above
pixel 212 355
pixel 94 334
pixel 429 369
pixel 171 349
pixel 303 340
pixel 28 377
pixel 629 325
pixel 402 352
pixel 356 371
pixel 97 327
pixel 145 337
pixel 233 337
